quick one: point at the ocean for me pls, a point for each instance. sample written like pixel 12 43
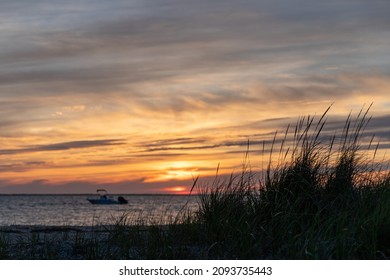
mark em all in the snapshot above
pixel 76 210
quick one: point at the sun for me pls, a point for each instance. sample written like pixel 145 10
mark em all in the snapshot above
pixel 177 190
pixel 177 170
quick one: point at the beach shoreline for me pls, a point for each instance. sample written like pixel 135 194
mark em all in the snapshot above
pixel 53 242
pixel 83 242
pixel 46 242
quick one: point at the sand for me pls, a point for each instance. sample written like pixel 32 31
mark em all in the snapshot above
pixel 97 242
pixel 51 242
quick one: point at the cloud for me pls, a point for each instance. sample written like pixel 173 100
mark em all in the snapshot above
pixel 178 57
pixel 179 79
pixel 22 167
pixel 83 144
pixel 174 39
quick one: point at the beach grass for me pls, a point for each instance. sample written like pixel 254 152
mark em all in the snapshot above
pixel 325 197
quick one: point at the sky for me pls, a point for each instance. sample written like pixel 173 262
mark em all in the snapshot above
pixel 143 96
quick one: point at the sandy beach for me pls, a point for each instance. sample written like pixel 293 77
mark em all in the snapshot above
pixel 88 242
pixel 48 242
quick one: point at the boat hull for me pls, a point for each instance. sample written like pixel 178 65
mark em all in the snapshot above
pixel 103 201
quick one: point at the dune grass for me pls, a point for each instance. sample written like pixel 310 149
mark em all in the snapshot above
pixel 324 197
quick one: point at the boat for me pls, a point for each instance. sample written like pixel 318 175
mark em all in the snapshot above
pixel 104 198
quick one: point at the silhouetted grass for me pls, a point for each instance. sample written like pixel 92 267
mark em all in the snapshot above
pixel 322 200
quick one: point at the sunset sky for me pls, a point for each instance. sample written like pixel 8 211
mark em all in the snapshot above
pixel 141 96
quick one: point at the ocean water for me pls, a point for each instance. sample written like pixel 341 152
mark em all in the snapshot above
pixel 76 210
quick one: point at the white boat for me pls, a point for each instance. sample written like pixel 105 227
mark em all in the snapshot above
pixel 104 198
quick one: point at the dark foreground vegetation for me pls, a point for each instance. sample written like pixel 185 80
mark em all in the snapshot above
pixel 324 198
